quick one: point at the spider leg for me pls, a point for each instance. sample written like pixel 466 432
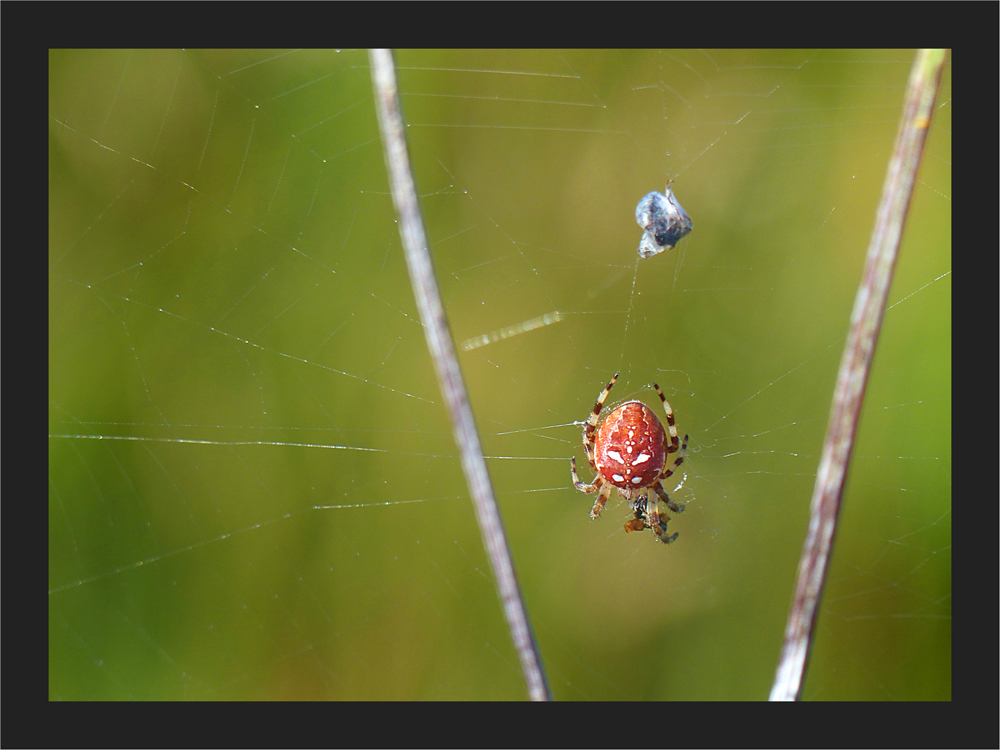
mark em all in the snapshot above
pixel 602 498
pixel 656 522
pixel 591 488
pixel 667 471
pixel 647 516
pixel 653 513
pixel 671 427
pixel 668 539
pixel 666 499
pixel 591 427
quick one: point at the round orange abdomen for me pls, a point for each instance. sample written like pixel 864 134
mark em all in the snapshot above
pixel 630 448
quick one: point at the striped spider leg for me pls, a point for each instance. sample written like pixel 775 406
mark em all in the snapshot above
pixel 652 518
pixel 590 428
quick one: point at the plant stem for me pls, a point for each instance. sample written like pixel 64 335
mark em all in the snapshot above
pixel 442 349
pixel 855 367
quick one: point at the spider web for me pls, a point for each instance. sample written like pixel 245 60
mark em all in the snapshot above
pixel 253 489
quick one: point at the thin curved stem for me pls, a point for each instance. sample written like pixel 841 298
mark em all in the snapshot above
pixel 442 349
pixel 855 367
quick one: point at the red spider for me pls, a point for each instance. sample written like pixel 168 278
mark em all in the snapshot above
pixel 629 452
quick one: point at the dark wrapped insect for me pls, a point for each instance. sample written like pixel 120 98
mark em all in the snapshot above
pixel 664 222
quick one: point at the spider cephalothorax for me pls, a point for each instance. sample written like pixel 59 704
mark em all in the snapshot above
pixel 629 452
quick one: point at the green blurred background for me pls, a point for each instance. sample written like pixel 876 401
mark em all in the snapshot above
pixel 253 490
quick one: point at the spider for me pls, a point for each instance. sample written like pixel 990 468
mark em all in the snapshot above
pixel 629 452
